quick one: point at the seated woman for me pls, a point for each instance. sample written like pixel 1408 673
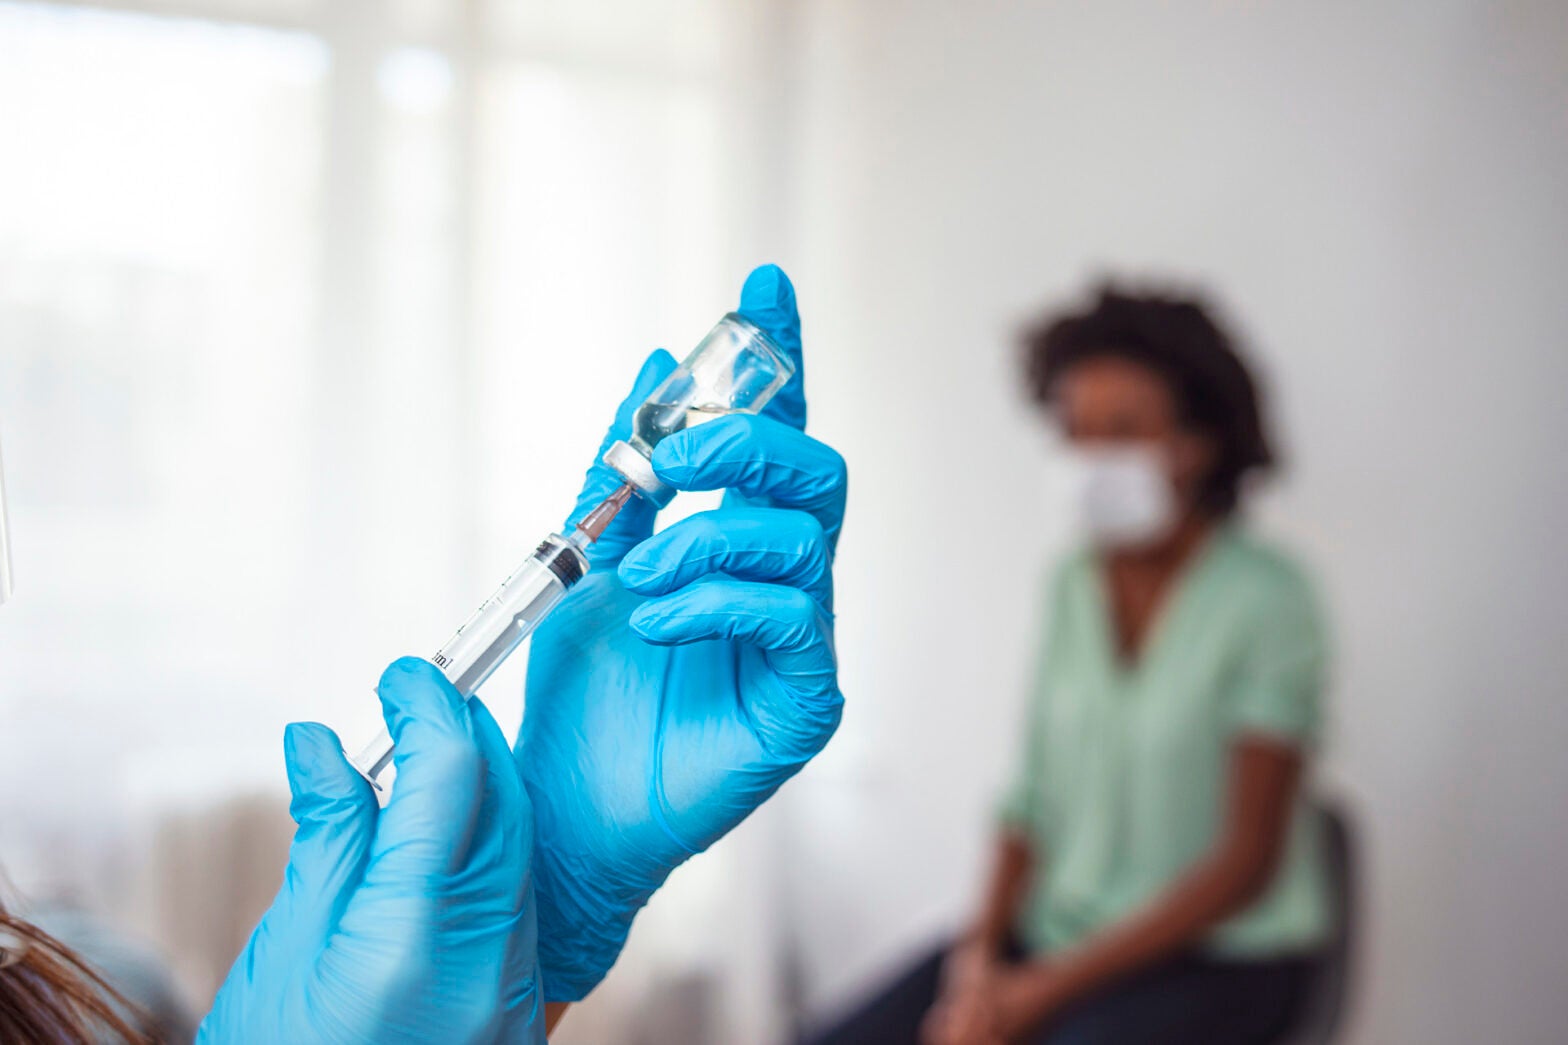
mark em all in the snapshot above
pixel 1158 876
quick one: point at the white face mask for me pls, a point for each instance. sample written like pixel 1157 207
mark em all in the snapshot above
pixel 1122 493
pixel 5 543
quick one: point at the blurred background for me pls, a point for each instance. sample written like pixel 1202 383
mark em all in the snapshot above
pixel 312 312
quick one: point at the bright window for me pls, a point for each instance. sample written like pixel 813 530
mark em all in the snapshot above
pixel 297 302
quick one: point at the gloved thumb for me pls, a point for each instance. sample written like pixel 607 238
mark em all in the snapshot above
pixel 768 300
pixel 329 799
pixel 636 519
pixel 335 812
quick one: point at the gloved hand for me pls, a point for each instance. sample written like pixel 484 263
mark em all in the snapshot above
pixel 685 678
pixel 409 923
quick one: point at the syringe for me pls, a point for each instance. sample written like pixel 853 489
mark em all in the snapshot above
pixel 737 368
pixel 509 616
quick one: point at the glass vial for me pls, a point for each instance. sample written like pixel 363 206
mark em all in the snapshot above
pixel 736 369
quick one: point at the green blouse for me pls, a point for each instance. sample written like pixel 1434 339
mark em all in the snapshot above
pixel 1121 787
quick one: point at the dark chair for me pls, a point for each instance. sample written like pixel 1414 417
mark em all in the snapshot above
pixel 1325 1010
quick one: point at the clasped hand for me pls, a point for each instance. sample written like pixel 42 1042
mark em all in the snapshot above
pixel 411 923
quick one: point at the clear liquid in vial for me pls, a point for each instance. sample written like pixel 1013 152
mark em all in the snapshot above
pixel 654 421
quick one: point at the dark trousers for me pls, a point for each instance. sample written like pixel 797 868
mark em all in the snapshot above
pixel 1188 999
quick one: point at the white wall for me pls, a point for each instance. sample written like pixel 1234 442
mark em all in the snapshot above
pixel 1380 195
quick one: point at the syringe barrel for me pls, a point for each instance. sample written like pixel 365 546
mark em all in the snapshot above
pixel 496 629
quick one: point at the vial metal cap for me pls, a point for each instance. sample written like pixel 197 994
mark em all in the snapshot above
pixel 638 471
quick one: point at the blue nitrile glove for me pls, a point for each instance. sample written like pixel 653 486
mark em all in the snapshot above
pixel 688 675
pixel 409 923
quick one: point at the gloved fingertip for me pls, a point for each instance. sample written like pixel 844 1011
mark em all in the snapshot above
pixel 659 362
pixel 316 766
pixel 408 665
pixel 407 672
pixel 767 289
pixel 634 578
pixel 648 619
pixel 654 370
pixel 768 300
pixel 311 736
pixel 412 687
pixel 297 756
pixel 669 459
pixel 679 457
pixel 638 571
pixel 601 480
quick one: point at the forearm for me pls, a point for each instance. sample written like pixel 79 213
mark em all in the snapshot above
pixel 1239 867
pixel 1004 894
pixel 1179 917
